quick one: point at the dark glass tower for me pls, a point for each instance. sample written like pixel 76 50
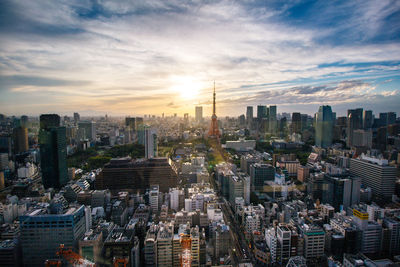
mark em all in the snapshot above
pixel 49 120
pixel 324 126
pixel 354 122
pixel 53 152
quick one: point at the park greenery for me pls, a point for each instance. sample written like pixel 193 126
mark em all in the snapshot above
pixel 95 157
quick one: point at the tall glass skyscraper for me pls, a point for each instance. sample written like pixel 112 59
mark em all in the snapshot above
pixel 53 153
pixel 324 126
pixel 261 112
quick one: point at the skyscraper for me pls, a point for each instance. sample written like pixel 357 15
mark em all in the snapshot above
pixel 249 114
pixel 272 120
pixel 150 143
pixel 323 126
pixel 261 112
pixel 296 122
pixel 130 122
pixel 20 139
pixel 53 153
pixel 89 130
pixel 368 119
pixel 49 120
pixel 199 114
pixel 77 117
pixel 354 122
pixel 24 121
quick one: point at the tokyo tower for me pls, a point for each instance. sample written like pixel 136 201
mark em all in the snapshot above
pixel 214 131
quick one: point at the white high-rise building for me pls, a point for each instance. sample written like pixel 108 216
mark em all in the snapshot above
pixel 188 204
pixel 174 197
pixel 153 198
pixel 376 174
pixel 199 114
pixel 150 143
pixel 272 243
pixel 88 218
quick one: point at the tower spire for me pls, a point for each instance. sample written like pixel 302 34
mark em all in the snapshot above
pixel 214 131
pixel 214 101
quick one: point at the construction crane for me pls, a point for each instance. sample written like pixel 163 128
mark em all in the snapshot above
pixel 120 262
pixel 73 258
pixel 49 263
pixel 186 256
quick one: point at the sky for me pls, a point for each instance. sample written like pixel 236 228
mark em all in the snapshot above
pixel 149 57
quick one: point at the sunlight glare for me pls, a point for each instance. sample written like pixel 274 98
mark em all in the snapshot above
pixel 186 87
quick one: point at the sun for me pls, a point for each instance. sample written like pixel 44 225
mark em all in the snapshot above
pixel 186 87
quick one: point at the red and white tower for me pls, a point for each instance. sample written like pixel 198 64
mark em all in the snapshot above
pixel 214 131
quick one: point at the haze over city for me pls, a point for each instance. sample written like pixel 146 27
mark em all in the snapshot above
pixel 142 57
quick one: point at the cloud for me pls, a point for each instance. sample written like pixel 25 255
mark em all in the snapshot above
pixel 108 53
pixel 16 81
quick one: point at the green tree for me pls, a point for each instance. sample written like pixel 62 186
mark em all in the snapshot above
pixel 97 162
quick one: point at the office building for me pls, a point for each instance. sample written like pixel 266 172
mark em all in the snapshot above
pixel 24 122
pixel 314 241
pixel 150 247
pixel 354 122
pixel 323 127
pixel 371 231
pixel 5 144
pixel 176 250
pixel 154 199
pixel 341 192
pixel 199 114
pixel 376 174
pixel 303 173
pixel 91 245
pixel 3 161
pixel 53 154
pixel 77 117
pixel 261 112
pixel 296 122
pixel 394 235
pixel 118 244
pixel 150 143
pixel 246 161
pixel 42 233
pixel 49 120
pixel 130 122
pixel 177 198
pixel 259 174
pixel 283 234
pixel 137 175
pixel 88 130
pixel 10 252
pixel 236 188
pixel 20 140
pixel 368 119
pixel 221 240
pixel 272 120
pixel 164 245
pixel 249 114
pixel 362 138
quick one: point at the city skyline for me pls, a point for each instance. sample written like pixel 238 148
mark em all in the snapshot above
pixel 154 57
